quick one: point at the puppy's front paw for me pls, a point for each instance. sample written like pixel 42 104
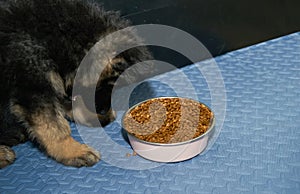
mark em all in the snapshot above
pixel 72 153
pixel 7 156
pixel 87 157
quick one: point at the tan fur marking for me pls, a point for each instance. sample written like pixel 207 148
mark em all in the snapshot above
pixel 57 82
pixel 55 136
pixel 116 60
pixel 7 156
pixel 69 79
pixel 46 129
pixel 17 110
pixel 66 149
pixel 108 71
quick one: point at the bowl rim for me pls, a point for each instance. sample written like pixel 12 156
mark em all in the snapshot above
pixel 209 130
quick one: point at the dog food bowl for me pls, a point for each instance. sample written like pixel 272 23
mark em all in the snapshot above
pixel 168 129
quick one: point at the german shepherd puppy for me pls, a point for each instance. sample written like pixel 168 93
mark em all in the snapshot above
pixel 42 43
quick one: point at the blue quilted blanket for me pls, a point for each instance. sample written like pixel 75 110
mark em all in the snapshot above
pixel 256 150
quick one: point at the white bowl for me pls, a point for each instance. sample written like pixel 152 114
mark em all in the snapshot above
pixel 170 152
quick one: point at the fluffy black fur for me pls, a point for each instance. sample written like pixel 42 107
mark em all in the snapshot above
pixel 42 43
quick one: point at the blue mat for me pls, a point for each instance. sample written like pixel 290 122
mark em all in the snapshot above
pixel 257 150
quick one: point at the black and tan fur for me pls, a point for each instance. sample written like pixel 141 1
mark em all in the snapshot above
pixel 42 43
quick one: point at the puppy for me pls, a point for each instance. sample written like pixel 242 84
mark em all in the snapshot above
pixel 42 43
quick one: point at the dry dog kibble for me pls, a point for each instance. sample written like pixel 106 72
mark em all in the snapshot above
pixel 129 154
pixel 168 120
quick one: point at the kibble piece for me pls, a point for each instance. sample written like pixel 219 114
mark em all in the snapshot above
pixel 168 120
pixel 128 155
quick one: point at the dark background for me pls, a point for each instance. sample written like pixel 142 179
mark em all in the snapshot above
pixel 221 25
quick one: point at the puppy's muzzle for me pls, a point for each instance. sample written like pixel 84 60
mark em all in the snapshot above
pixel 82 115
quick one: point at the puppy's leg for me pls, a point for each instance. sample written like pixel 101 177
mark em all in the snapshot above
pixel 7 156
pixel 52 132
